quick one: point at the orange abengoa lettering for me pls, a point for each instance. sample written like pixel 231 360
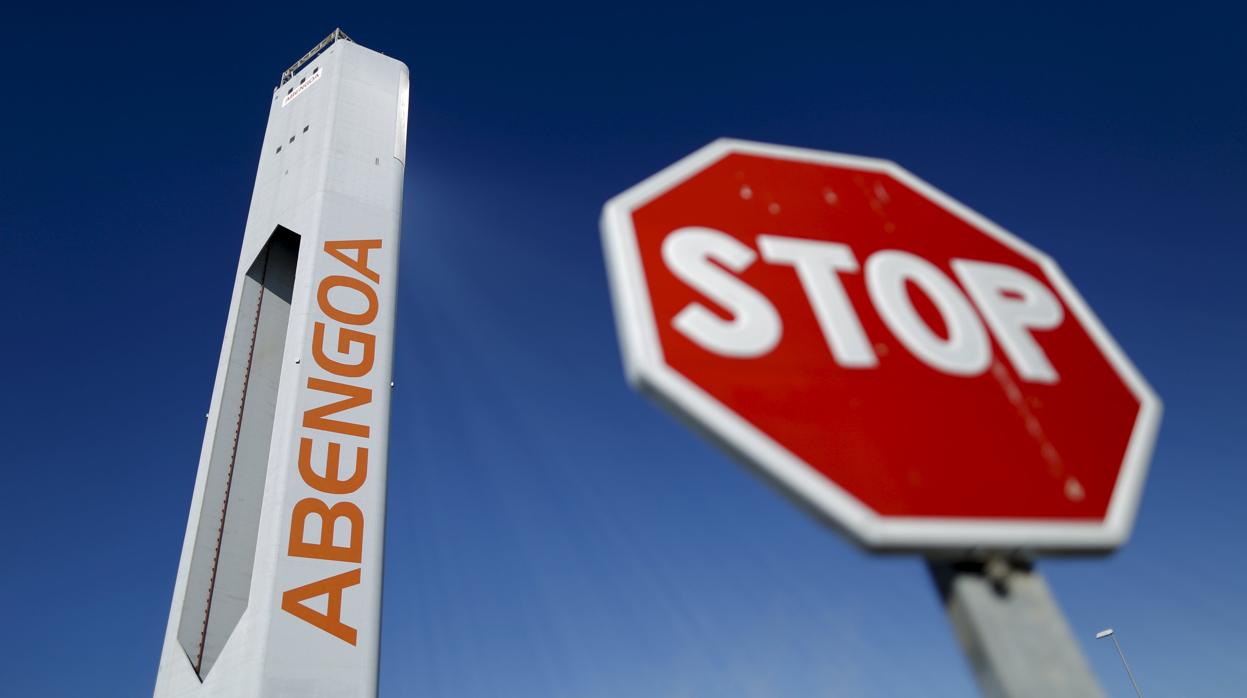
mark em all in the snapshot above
pixel 351 356
pixel 346 337
pixel 315 418
pixel 330 483
pixel 360 263
pixel 331 620
pixel 365 316
pixel 329 518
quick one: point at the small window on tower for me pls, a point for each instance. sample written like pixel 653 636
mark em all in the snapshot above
pixel 279 148
pixel 292 139
pixel 305 128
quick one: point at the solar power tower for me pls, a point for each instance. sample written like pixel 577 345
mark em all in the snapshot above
pixel 278 591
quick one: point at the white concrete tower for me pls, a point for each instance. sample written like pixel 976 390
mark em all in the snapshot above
pixel 278 591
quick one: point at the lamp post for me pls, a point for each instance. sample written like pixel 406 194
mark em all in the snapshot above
pixel 1108 632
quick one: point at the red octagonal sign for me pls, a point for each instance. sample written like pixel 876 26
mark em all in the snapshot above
pixel 903 366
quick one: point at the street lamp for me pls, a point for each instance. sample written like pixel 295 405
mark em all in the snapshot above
pixel 1108 632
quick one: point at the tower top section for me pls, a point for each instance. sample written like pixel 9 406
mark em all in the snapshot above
pixel 325 43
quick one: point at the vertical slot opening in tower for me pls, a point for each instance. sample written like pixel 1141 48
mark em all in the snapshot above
pixel 225 540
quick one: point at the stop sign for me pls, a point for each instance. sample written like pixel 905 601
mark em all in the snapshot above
pixel 907 369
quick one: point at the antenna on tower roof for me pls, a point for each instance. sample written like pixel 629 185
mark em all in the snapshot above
pixel 324 44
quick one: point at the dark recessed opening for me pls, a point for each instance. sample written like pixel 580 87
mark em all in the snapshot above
pixel 223 557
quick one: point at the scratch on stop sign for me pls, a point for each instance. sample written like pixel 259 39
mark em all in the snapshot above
pixel 1071 487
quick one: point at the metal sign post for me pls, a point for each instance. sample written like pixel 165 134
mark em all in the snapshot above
pixel 1012 631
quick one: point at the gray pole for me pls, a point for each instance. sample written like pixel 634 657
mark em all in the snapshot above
pixel 1126 664
pixel 1012 631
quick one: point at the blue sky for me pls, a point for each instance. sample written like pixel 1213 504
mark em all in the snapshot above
pixel 550 533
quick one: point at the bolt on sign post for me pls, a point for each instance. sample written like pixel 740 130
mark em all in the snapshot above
pixel 917 376
pixel 278 591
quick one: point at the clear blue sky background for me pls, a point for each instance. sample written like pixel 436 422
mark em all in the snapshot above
pixel 550 533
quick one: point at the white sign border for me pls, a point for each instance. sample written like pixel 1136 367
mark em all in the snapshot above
pixel 648 372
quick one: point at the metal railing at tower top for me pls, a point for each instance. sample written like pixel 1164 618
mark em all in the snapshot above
pixel 324 44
